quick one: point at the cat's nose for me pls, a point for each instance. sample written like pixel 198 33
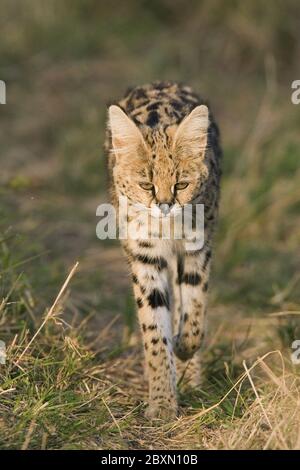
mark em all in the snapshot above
pixel 165 207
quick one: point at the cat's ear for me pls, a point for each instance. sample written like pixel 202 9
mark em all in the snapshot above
pixel 126 137
pixel 190 139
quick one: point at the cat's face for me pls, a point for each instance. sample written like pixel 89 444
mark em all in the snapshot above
pixel 167 168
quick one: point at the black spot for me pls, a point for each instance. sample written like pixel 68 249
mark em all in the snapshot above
pixel 192 279
pixel 152 106
pixel 180 269
pixel 205 286
pixel 158 299
pixel 193 252
pixel 165 341
pixel 146 346
pixel 144 327
pixel 139 302
pixel 154 352
pixel 160 262
pixel 153 119
pixel 176 105
pixel 185 317
pixel 152 327
pixel 139 93
pixel 152 366
pixel 143 289
pixel 144 244
pixel 154 340
pixel 135 279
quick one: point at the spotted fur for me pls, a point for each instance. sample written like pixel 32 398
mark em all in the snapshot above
pixel 159 135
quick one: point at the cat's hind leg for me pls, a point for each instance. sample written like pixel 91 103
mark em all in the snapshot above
pixel 188 371
pixel 193 281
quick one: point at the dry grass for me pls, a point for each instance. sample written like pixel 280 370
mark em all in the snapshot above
pixel 55 387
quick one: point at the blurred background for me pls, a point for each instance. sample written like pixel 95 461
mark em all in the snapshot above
pixel 63 62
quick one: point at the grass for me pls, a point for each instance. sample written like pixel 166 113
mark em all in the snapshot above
pixel 73 375
pixel 57 385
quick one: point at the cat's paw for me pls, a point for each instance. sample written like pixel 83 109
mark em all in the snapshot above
pixel 184 349
pixel 157 411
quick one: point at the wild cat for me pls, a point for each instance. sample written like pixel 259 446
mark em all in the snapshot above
pixel 164 154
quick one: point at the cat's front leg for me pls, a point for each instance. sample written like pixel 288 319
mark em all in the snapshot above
pixel 193 280
pixel 151 289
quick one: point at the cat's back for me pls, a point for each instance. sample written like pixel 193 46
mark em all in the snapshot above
pixel 159 103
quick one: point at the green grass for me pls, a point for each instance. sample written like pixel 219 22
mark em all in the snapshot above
pixel 60 390
pixel 54 389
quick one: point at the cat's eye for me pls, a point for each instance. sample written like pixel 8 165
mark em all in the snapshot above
pixel 179 186
pixel 147 186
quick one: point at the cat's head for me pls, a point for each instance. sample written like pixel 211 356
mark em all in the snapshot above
pixel 165 167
